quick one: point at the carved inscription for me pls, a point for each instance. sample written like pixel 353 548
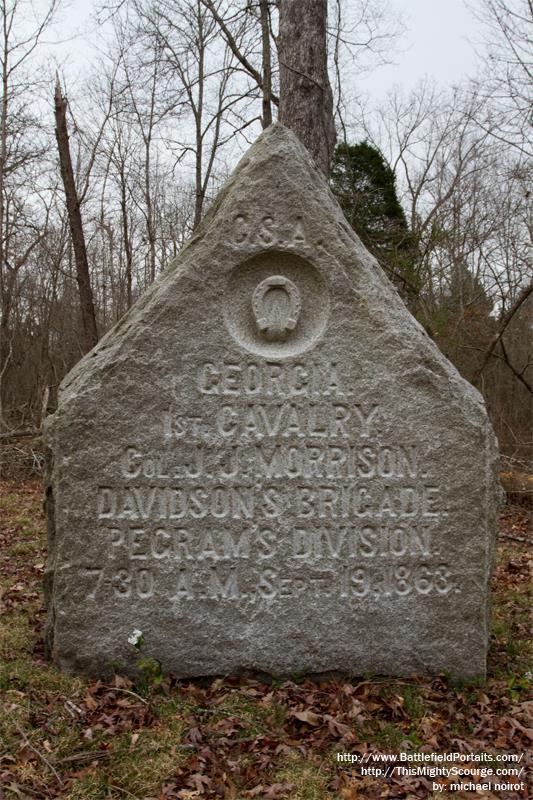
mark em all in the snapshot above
pixel 276 305
pixel 251 379
pixel 280 483
pixel 266 230
pixel 245 502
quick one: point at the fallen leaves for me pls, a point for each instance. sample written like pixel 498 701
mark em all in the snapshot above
pixel 307 716
pixel 239 738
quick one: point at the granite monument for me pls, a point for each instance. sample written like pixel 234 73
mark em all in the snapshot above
pixel 267 466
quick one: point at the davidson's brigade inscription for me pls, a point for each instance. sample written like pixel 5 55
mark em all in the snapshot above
pixel 267 465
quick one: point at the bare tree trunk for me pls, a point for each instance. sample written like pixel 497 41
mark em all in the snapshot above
pixel 267 67
pixel 306 100
pixel 126 237
pixel 150 231
pixel 198 112
pixel 5 287
pixel 90 333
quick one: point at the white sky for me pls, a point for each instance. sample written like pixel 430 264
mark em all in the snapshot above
pixel 436 44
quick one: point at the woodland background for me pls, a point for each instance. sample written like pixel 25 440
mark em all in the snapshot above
pixel 97 195
pixel 437 181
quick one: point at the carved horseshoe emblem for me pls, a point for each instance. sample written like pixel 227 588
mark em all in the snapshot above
pixel 276 305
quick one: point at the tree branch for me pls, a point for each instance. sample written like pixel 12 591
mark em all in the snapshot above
pixel 506 319
pixel 235 49
pixel 517 374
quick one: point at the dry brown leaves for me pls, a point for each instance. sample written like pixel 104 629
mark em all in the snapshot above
pixel 240 734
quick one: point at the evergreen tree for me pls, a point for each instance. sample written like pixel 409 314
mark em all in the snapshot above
pixel 365 187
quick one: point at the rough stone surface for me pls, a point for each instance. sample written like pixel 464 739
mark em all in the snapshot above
pixel 267 465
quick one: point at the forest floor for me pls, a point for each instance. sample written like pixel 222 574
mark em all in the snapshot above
pixel 66 737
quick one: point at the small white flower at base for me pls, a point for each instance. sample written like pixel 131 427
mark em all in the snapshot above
pixel 135 637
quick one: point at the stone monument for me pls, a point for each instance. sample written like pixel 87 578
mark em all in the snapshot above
pixel 267 466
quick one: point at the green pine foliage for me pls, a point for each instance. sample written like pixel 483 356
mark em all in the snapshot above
pixel 365 187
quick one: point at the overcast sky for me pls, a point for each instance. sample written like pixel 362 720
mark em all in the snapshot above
pixel 436 43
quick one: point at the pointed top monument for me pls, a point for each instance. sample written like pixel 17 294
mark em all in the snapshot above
pixel 267 466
